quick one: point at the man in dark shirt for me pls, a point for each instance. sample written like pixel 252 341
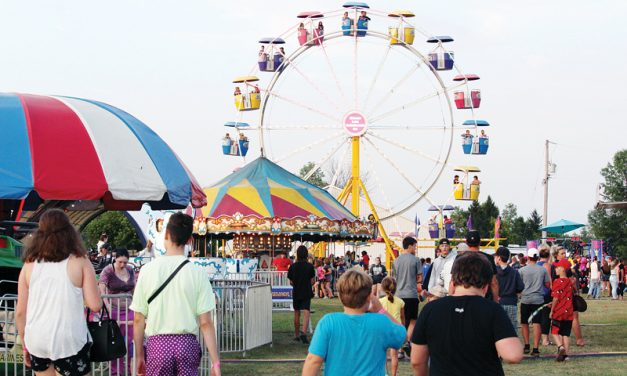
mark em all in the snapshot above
pixel 473 239
pixel 465 334
pixel 301 275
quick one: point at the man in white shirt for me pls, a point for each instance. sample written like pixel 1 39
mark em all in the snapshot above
pixel 595 280
pixel 442 266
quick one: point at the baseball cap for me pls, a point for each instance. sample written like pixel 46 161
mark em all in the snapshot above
pixel 462 247
pixel 444 241
pixel 473 238
pixel 533 253
pixel 563 263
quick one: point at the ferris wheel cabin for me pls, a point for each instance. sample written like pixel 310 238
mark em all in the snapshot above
pixel 441 59
pixel 248 98
pixel 310 33
pixel 401 33
pixel 464 99
pixel 362 18
pixel 236 145
pixel 270 54
pixel 463 189
pixel 473 144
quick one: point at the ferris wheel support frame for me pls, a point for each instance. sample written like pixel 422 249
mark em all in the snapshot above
pixel 355 185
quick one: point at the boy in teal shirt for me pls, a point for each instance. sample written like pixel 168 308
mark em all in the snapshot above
pixel 362 333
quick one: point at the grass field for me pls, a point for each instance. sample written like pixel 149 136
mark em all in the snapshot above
pixel 604 328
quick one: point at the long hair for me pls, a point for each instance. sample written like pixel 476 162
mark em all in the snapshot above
pixel 389 288
pixel 55 240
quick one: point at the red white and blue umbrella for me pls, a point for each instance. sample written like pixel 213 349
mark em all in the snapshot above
pixel 65 148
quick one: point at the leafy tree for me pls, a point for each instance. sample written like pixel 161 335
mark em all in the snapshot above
pixel 533 225
pixel 317 179
pixel 120 231
pixel 508 215
pixel 610 224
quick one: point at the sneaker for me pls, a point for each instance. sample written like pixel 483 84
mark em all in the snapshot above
pixel 401 355
pixel 535 353
pixel 561 354
pixel 303 338
pixel 527 349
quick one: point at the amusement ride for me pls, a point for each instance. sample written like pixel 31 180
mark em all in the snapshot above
pixel 371 99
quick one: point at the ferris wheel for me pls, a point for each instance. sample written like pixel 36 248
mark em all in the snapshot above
pixel 370 99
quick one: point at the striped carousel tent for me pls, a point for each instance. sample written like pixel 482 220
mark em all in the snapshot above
pixel 267 192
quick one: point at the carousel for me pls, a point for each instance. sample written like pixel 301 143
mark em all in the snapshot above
pixel 262 209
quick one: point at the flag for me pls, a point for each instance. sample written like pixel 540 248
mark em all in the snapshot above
pixel 497 227
pixel 469 225
pixel 416 225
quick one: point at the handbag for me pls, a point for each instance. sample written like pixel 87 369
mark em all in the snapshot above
pixel 108 342
pixel 579 304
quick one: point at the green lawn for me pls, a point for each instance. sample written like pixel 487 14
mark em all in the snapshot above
pixel 605 330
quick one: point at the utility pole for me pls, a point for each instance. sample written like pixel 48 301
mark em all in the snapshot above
pixel 547 175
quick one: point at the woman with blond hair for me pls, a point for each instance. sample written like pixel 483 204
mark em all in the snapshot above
pixel 55 282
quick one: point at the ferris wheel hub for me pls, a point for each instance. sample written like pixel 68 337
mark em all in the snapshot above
pixel 354 123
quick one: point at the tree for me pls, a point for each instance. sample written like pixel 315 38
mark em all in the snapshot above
pixel 317 179
pixel 119 229
pixel 508 216
pixel 533 225
pixel 609 224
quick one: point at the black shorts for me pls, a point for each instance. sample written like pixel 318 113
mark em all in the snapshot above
pixel 526 310
pixel 75 365
pixel 411 309
pixel 301 304
pixel 561 327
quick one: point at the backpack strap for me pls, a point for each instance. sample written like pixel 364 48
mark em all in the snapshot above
pixel 156 293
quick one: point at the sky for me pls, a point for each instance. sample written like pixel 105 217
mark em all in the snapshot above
pixel 549 70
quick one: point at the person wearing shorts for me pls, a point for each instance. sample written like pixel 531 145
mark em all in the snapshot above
pixel 408 277
pixel 301 275
pixel 535 278
pixel 77 364
pixel 562 310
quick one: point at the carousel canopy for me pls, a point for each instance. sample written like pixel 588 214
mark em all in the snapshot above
pixel 264 190
pixel 68 149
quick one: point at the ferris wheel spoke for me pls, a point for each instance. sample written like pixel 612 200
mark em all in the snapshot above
pixel 400 172
pixel 408 105
pixel 278 127
pixel 377 180
pixel 390 92
pixel 325 158
pixel 356 99
pixel 339 170
pixel 408 127
pixel 309 108
pixel 313 84
pixel 309 146
pixel 337 81
pixel 376 76
pixel 407 148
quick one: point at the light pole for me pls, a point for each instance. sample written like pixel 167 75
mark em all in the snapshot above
pixel 549 168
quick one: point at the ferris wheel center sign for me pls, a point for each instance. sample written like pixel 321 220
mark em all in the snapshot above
pixel 355 123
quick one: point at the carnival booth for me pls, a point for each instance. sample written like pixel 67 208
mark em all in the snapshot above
pixel 248 96
pixel 311 30
pixel 271 54
pixel 465 188
pixel 477 143
pixel 440 58
pixel 401 33
pixel 262 209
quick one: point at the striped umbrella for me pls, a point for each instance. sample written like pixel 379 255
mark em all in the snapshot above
pixel 64 148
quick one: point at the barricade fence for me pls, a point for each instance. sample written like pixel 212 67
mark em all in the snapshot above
pixel 242 318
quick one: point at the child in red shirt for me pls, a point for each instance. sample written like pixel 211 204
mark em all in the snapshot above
pixel 562 309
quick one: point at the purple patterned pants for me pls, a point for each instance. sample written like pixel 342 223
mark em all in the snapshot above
pixel 172 354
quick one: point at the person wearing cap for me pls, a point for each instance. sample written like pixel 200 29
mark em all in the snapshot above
pixel 535 278
pixel 442 274
pixel 441 251
pixel 510 284
pixel 473 240
pixel 562 312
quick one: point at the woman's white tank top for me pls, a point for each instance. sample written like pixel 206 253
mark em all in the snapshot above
pixel 55 319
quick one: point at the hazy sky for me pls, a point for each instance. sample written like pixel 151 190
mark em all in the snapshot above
pixel 549 70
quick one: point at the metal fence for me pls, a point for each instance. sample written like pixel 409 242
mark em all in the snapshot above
pixel 244 314
pixel 243 321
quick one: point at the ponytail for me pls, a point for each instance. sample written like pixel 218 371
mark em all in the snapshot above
pixel 390 296
pixel 389 287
